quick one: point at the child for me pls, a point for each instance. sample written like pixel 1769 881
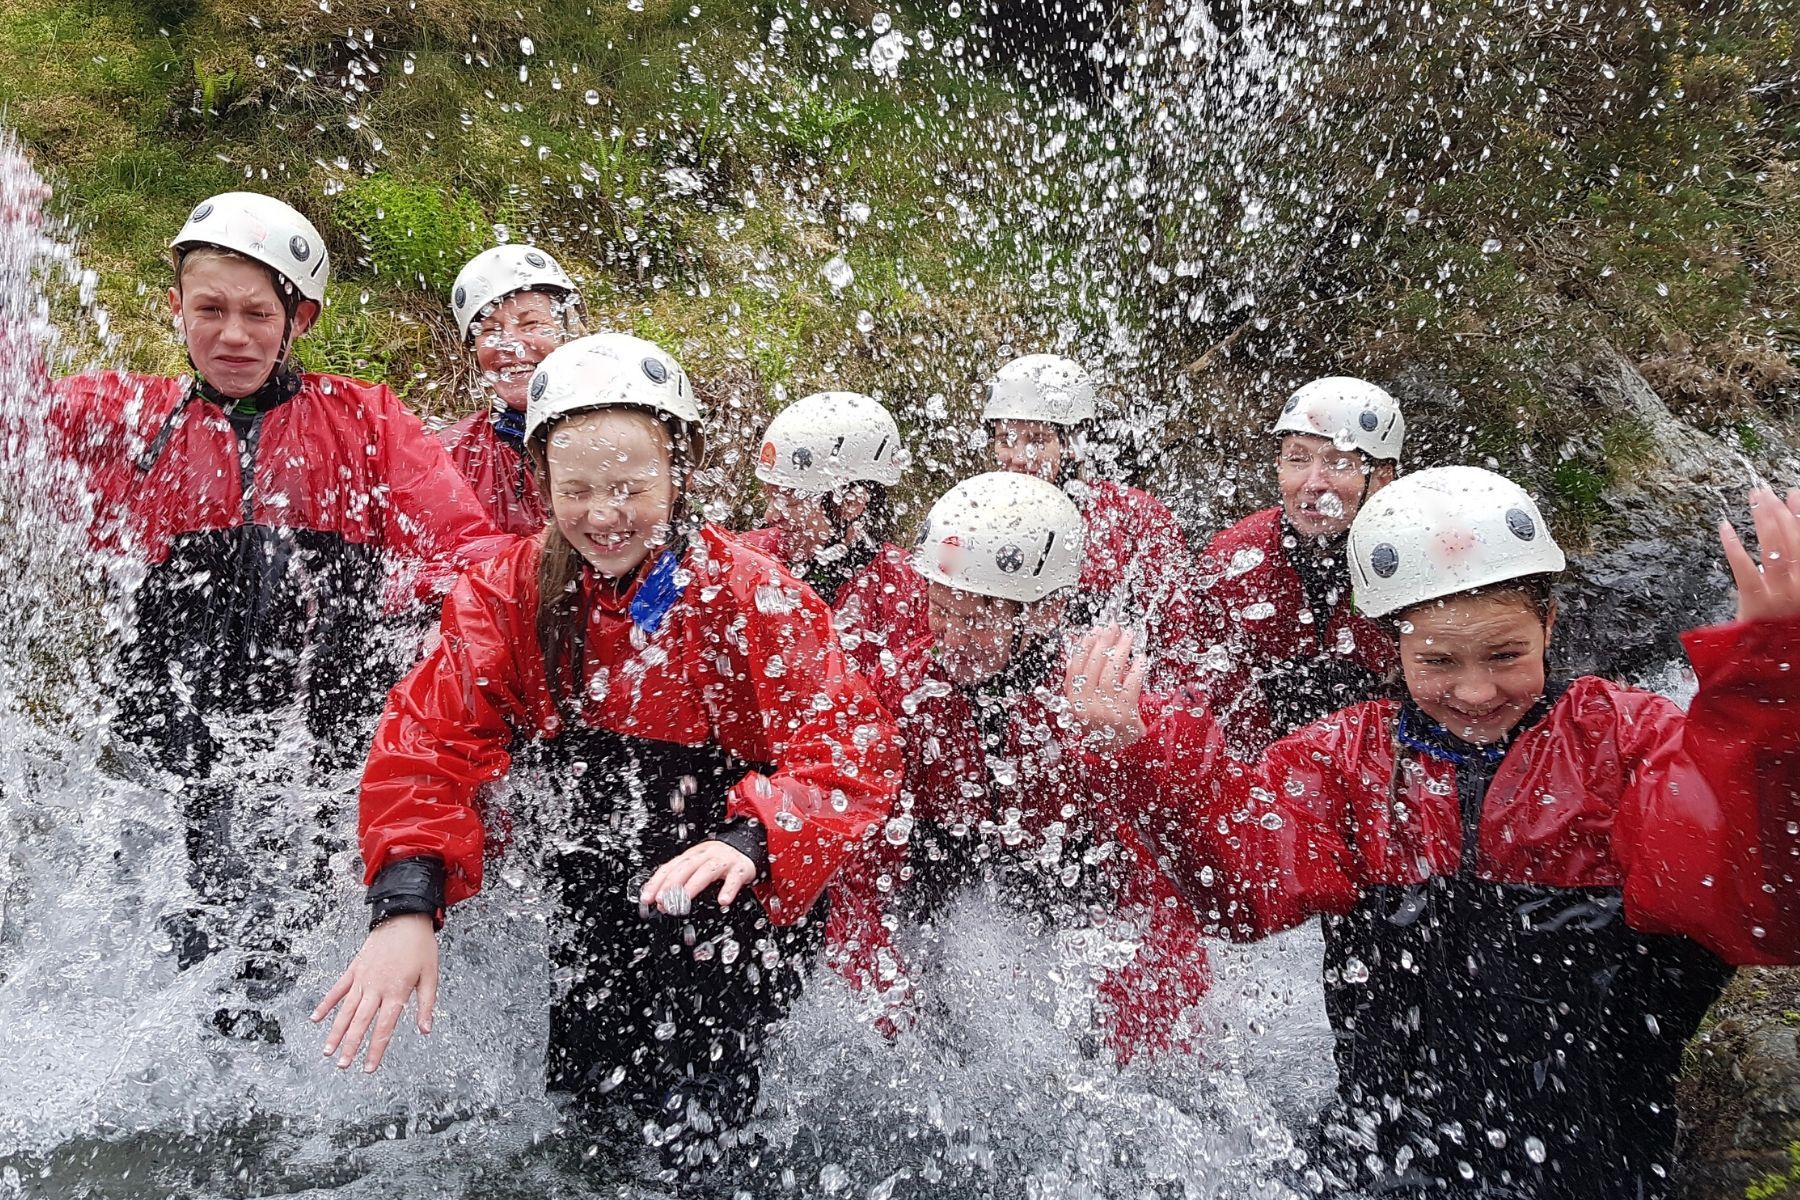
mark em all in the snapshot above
pixel 1002 792
pixel 1040 413
pixel 827 462
pixel 687 708
pixel 270 508
pixel 513 305
pixel 1532 888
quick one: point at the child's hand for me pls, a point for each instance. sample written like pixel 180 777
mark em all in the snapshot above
pixel 1103 683
pixel 1773 590
pixel 675 884
pixel 399 957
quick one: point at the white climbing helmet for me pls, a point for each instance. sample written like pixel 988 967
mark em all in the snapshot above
pixel 1041 387
pixel 1445 530
pixel 604 370
pixel 1352 413
pixel 497 273
pixel 265 230
pixel 823 441
pixel 1002 534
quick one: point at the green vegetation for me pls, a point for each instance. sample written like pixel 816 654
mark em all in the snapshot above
pixel 694 169
pixel 1778 1183
pixel 1467 197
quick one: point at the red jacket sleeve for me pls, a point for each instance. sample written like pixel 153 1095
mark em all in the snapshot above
pixel 786 696
pixel 1704 833
pixel 1257 847
pixel 446 729
pixel 433 518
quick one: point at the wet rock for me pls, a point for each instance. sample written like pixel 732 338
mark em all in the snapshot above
pixel 1654 568
pixel 1740 1096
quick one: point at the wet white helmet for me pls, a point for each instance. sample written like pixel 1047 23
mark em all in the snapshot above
pixel 1352 413
pixel 497 273
pixel 1041 387
pixel 1445 530
pixel 823 441
pixel 1002 534
pixel 604 370
pixel 265 230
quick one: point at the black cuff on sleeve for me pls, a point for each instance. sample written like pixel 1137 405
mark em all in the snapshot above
pixel 408 885
pixel 750 839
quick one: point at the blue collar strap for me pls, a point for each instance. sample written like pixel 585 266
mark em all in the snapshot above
pixel 657 594
pixel 509 424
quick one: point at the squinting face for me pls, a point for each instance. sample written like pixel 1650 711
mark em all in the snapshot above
pixel 513 339
pixel 612 487
pixel 973 634
pixel 1028 447
pixel 232 320
pixel 801 520
pixel 1475 664
pixel 1322 486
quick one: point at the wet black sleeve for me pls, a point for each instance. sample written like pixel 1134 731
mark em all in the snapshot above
pixel 750 839
pixel 408 885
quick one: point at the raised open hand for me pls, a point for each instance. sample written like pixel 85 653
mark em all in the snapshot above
pixel 1103 684
pixel 1771 589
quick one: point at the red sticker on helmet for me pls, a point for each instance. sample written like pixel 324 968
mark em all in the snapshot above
pixel 767 457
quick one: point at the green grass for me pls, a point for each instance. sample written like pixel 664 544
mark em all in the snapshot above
pixel 695 174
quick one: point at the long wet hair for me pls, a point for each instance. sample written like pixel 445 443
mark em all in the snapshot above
pixel 561 612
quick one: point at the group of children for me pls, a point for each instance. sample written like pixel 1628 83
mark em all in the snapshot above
pixel 759 749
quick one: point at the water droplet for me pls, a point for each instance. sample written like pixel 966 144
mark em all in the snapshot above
pixel 1355 971
pixel 592 98
pixel 1534 1149
pixel 838 273
pixel 526 46
pixel 865 321
pixel 1270 820
pixel 880 23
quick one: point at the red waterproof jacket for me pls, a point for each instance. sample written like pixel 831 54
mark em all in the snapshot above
pixel 878 610
pixel 1289 658
pixel 1687 813
pixel 1520 939
pixel 498 472
pixel 271 540
pixel 343 457
pixel 1055 821
pixel 744 660
pixel 1138 571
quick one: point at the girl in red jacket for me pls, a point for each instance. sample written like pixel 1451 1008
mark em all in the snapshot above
pixel 827 462
pixel 513 306
pixel 677 713
pixel 1532 889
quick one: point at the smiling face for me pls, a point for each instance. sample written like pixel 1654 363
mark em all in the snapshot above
pixel 1475 663
pixel 513 338
pixel 232 319
pixel 1028 447
pixel 612 486
pixel 1322 487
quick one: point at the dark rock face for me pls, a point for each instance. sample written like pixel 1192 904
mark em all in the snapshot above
pixel 1656 568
